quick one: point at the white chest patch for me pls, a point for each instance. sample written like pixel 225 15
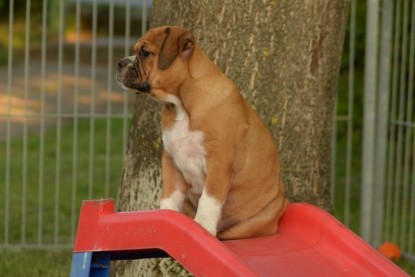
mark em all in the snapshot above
pixel 186 148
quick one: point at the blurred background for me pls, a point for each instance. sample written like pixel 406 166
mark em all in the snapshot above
pixel 64 122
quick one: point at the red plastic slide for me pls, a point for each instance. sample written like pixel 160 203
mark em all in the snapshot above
pixel 309 242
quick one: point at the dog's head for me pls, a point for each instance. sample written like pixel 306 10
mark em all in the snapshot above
pixel 159 64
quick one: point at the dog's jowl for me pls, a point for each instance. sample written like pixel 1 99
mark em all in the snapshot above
pixel 220 164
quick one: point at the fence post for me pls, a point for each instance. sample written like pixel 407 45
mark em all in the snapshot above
pixel 368 159
pixel 382 120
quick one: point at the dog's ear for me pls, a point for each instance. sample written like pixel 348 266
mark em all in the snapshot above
pixel 176 42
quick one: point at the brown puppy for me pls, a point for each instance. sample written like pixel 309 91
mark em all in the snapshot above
pixel 220 163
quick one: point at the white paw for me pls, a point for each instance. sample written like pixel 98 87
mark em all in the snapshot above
pixel 210 224
pixel 174 202
pixel 208 213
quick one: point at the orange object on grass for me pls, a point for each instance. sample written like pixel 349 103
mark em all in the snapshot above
pixel 390 250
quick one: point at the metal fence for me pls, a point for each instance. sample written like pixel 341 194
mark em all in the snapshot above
pixel 64 123
pixel 380 191
pixel 398 164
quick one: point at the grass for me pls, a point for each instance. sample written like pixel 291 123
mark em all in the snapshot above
pixel 35 263
pixel 339 199
pixel 407 266
pixel 57 202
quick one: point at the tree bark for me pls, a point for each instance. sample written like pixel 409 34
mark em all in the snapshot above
pixel 285 57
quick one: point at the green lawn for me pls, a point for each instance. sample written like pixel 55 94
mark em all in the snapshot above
pixel 57 200
pixel 35 263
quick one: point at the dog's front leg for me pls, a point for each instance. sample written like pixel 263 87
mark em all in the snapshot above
pixel 214 195
pixel 174 186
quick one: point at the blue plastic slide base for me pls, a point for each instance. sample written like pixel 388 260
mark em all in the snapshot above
pixel 91 264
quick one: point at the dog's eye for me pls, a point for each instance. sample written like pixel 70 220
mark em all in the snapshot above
pixel 144 53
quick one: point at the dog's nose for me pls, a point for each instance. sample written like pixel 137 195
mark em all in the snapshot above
pixel 123 63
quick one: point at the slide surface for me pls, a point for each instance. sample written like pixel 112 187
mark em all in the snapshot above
pixel 309 242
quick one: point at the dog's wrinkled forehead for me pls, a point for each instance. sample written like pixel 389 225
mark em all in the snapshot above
pixel 153 38
pixel 166 43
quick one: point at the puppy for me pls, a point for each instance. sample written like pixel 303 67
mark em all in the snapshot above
pixel 220 164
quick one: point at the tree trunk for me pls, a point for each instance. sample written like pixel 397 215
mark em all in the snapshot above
pixel 284 56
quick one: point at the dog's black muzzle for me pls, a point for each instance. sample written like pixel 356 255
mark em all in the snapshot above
pixel 129 72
